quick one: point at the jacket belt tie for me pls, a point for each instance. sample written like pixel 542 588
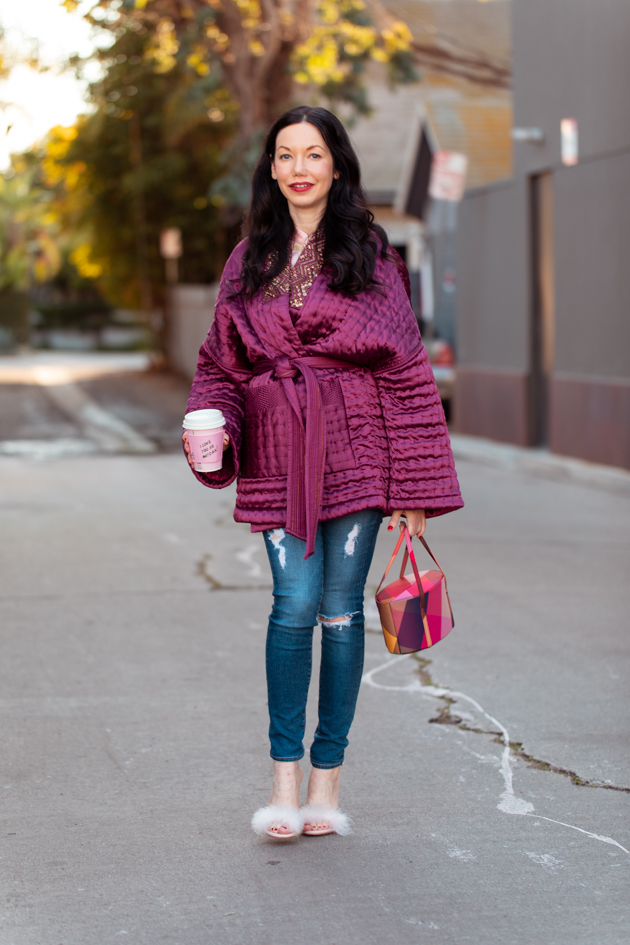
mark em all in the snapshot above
pixel 307 448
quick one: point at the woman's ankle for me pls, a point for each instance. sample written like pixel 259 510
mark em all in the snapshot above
pixel 287 777
pixel 286 769
pixel 323 786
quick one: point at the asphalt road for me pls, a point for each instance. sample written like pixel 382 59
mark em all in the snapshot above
pixel 133 717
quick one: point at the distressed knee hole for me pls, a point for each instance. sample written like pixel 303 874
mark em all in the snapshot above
pixel 338 622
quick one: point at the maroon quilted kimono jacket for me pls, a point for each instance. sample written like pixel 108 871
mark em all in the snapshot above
pixel 314 439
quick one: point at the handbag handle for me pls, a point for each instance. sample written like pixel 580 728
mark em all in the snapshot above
pixel 406 555
pixel 409 554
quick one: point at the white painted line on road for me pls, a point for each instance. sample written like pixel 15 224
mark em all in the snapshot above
pixel 110 433
pixel 508 803
pixel 75 366
pixel 47 449
pixel 57 374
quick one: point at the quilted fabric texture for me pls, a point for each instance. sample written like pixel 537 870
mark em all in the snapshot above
pixel 386 440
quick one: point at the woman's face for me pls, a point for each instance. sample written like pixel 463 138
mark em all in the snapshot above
pixel 303 167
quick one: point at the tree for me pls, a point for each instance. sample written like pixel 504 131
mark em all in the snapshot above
pixel 187 90
pixel 261 52
pixel 29 252
pixel 263 47
pixel 141 162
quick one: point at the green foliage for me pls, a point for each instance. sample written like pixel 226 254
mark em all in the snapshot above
pixel 188 89
pixel 342 41
pixel 262 57
pixel 29 252
pixel 143 161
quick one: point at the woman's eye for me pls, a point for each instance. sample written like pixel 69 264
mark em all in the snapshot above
pixel 316 156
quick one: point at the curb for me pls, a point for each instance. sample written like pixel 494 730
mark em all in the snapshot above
pixel 540 462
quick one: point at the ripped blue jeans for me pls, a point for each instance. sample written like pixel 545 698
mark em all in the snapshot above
pixel 329 585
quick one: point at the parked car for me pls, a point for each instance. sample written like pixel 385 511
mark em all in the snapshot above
pixel 442 358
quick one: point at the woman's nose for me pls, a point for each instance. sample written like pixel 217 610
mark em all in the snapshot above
pixel 299 168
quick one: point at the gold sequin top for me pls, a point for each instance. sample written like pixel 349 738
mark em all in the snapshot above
pixel 296 280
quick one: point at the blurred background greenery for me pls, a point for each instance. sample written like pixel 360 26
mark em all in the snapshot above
pixel 173 124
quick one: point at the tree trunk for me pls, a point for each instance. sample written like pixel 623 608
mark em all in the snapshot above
pixel 262 84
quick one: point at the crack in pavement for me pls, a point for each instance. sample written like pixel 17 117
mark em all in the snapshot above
pixel 444 717
pixel 517 749
pixel 509 803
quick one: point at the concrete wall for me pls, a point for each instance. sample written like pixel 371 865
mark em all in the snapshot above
pixel 190 313
pixel 570 61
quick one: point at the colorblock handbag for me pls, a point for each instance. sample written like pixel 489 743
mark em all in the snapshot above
pixel 415 610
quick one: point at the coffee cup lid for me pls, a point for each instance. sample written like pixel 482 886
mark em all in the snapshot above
pixel 204 420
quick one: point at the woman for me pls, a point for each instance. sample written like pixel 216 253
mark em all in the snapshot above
pixel 332 420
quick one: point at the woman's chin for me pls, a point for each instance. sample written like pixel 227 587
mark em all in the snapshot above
pixel 306 200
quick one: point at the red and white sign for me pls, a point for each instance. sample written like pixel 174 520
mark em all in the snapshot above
pixel 448 176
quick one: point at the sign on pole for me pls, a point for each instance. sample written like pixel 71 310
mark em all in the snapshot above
pixel 171 243
pixel 448 176
pixel 170 250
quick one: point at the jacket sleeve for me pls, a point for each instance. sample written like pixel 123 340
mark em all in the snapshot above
pixel 223 370
pixel 422 472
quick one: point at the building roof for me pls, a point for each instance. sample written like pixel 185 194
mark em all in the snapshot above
pixel 473 117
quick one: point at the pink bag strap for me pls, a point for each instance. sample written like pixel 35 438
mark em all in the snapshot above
pixel 435 561
pixel 408 554
pixel 391 560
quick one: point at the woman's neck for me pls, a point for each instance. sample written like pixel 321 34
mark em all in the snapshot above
pixel 307 220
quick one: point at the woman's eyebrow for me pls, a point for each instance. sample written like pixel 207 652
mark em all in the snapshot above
pixel 309 147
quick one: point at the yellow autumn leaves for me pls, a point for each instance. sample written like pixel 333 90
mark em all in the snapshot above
pixel 28 248
pixel 339 37
pixel 342 32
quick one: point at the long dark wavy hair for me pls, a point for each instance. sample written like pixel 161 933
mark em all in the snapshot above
pixel 352 240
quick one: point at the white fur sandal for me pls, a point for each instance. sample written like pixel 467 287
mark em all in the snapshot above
pixel 277 816
pixel 336 821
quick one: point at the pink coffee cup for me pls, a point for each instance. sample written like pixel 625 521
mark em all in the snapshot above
pixel 205 429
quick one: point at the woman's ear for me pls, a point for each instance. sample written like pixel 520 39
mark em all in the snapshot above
pixel 273 168
pixel 336 175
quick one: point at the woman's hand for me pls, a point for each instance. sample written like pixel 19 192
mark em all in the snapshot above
pixel 226 444
pixel 416 521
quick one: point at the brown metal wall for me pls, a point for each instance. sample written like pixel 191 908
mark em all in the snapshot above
pixel 571 61
pixel 592 265
pixel 493 314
